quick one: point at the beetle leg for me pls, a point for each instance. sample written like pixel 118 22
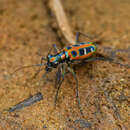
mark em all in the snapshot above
pixel 77 91
pixel 93 39
pixel 77 37
pixel 59 79
pixel 106 59
pixel 40 69
pixel 55 48
pixel 58 75
pixel 97 58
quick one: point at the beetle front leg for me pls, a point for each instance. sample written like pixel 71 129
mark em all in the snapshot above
pixel 55 48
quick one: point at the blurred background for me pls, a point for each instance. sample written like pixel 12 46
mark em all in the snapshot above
pixel 29 27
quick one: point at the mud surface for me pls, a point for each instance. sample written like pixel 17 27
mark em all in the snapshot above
pixel 27 28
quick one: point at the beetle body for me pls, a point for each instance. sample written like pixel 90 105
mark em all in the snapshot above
pixel 72 53
pixel 80 51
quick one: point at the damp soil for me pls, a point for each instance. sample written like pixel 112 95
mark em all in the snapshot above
pixel 28 29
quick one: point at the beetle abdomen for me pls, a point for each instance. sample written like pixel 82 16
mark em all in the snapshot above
pixel 80 51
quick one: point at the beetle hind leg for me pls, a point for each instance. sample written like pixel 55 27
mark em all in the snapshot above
pixel 77 91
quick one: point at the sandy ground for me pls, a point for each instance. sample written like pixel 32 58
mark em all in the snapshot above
pixel 27 27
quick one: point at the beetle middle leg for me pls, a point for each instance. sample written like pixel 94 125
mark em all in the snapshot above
pixel 59 79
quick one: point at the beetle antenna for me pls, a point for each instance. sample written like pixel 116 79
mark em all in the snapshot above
pixel 28 67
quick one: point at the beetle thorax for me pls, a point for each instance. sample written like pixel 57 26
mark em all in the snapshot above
pixel 54 60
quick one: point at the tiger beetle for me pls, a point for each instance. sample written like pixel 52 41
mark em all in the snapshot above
pixel 81 51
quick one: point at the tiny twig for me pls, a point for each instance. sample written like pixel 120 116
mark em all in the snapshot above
pixel 62 20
